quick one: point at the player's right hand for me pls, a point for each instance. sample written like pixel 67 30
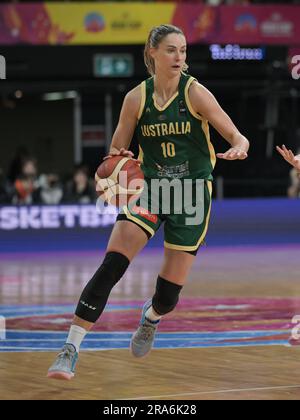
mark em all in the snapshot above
pixel 121 152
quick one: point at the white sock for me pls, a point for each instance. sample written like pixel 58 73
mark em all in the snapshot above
pixel 151 315
pixel 76 335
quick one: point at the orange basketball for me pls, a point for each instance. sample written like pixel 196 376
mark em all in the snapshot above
pixel 119 180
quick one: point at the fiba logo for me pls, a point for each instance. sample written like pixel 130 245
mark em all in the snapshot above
pixel 2 67
pixel 296 69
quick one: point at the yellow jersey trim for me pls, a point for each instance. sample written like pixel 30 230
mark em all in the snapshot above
pixel 163 108
pixel 204 122
pixel 143 99
pixel 187 99
pixel 211 149
pixel 141 154
pixel 138 221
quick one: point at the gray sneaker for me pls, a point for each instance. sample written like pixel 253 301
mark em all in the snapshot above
pixel 142 339
pixel 64 365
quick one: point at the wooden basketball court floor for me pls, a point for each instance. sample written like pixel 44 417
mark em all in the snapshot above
pixel 228 339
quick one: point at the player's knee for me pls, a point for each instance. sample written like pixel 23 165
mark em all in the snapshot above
pixel 166 296
pixel 109 273
pixel 95 294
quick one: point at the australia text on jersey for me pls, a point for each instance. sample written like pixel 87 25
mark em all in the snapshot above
pixel 164 129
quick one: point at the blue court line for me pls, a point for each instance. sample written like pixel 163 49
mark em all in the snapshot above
pixel 48 341
pixel 63 305
pixel 10 312
pixel 99 335
pixel 156 346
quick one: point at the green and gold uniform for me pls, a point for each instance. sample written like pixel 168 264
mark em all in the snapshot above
pixel 174 144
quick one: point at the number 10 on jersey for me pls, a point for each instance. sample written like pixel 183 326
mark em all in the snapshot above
pixel 168 149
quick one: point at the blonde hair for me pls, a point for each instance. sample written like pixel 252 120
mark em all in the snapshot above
pixel 156 35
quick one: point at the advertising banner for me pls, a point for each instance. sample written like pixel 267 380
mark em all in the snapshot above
pixel 83 227
pixel 81 23
pixel 129 23
pixel 269 24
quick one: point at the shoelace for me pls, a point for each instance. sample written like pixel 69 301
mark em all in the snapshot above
pixel 66 353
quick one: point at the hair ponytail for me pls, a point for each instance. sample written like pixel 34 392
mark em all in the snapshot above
pixel 148 60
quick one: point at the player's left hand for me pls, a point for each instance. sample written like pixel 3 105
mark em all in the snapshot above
pixel 234 153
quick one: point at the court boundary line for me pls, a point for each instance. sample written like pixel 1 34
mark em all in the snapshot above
pixel 41 349
pixel 225 391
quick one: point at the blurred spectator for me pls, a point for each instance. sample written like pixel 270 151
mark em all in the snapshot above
pixel 294 160
pixel 26 183
pixel 50 189
pixel 4 190
pixel 15 167
pixel 294 188
pixel 81 189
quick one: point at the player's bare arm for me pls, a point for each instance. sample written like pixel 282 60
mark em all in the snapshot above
pixel 127 122
pixel 206 105
pixel 289 156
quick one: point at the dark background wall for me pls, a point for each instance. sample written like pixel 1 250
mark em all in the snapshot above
pixel 46 128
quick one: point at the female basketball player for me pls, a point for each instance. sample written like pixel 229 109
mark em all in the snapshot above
pixel 169 113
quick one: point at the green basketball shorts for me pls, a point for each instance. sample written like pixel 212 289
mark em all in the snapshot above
pixel 183 205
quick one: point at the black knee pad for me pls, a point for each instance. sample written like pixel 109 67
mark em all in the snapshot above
pixel 109 273
pixel 95 294
pixel 166 296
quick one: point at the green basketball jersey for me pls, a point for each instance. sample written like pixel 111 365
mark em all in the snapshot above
pixel 174 140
